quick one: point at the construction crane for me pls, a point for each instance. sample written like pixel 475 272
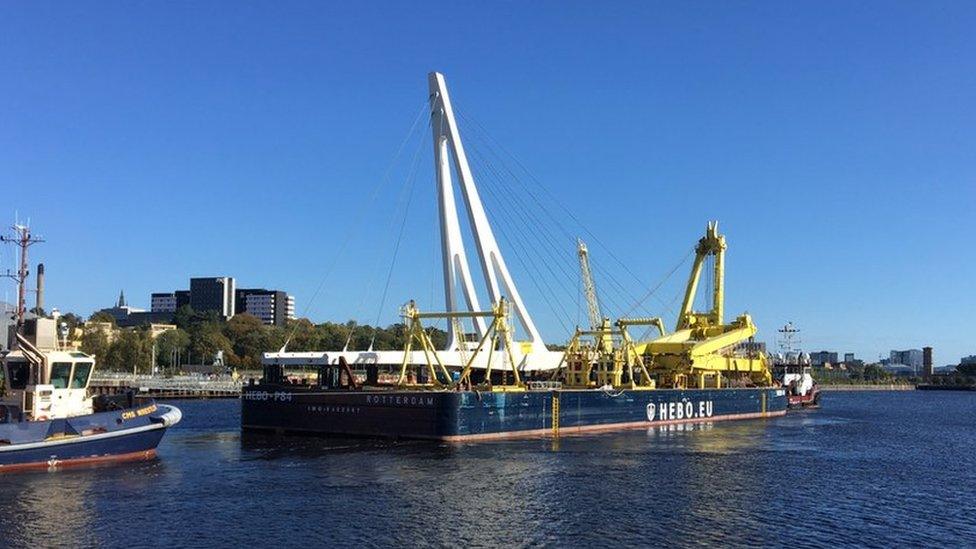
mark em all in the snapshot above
pixel 598 322
pixel 589 287
pixel 704 350
pixel 703 346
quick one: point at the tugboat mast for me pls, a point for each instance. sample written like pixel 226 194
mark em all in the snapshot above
pixel 789 338
pixel 24 240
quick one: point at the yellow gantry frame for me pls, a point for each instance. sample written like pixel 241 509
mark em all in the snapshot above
pixel 603 353
pixel 416 332
pixel 497 331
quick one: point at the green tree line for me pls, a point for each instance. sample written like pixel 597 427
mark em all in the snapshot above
pixel 200 335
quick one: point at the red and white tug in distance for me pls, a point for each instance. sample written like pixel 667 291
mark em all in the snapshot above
pixel 792 368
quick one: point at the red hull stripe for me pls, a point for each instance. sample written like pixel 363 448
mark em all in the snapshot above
pixel 606 427
pixel 58 463
pixel 537 433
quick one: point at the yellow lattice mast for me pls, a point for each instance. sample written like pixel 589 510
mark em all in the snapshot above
pixel 597 320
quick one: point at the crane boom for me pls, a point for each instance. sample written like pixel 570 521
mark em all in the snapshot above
pixel 589 287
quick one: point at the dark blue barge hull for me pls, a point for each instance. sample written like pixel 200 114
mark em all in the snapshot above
pixel 473 415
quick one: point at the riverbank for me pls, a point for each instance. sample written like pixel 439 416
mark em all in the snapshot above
pixel 869 387
pixel 946 387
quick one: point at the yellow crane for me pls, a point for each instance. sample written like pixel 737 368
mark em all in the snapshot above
pixel 597 321
pixel 589 287
pixel 591 359
pixel 701 350
pixel 703 347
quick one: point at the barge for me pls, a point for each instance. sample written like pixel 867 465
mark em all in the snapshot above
pixel 457 416
pixel 488 382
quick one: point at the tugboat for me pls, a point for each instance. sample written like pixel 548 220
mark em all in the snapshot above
pixel 792 368
pixel 48 421
pixel 47 418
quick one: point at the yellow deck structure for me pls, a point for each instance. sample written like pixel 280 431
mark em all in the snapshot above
pixel 702 352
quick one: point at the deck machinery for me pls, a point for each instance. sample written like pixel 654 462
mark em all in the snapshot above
pixel 701 352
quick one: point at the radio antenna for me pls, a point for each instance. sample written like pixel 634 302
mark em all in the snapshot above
pixel 23 239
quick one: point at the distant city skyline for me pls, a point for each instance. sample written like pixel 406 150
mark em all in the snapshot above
pixel 836 148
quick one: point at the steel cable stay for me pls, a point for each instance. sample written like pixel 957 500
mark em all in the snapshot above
pixel 530 268
pixel 553 247
pixel 609 274
pixel 617 285
pixel 551 251
pixel 567 265
pixel 410 186
pixel 554 199
pixel 598 266
pixel 373 275
pixel 357 224
pixel 523 213
pixel 544 288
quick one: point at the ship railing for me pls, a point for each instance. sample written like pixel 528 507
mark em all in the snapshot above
pixel 191 383
pixel 544 385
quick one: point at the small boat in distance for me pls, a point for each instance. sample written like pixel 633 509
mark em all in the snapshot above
pixel 792 368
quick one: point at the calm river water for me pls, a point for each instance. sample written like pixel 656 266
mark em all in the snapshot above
pixel 868 469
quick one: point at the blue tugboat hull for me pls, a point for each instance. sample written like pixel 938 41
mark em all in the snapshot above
pixel 472 415
pixel 121 435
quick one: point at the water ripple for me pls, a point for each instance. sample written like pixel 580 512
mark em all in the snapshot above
pixel 871 470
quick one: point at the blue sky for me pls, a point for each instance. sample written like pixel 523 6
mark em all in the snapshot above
pixel 834 141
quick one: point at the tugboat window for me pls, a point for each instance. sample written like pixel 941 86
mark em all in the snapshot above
pixel 60 373
pixel 80 378
pixel 19 375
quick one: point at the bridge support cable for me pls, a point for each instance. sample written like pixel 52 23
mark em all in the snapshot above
pixel 523 189
pixel 549 250
pixel 359 219
pixel 518 217
pixel 554 200
pixel 410 186
pixel 547 255
pixel 527 212
pixel 539 280
pixel 373 275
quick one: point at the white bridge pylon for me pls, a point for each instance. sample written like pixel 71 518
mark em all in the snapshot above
pixel 530 351
pixel 448 145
